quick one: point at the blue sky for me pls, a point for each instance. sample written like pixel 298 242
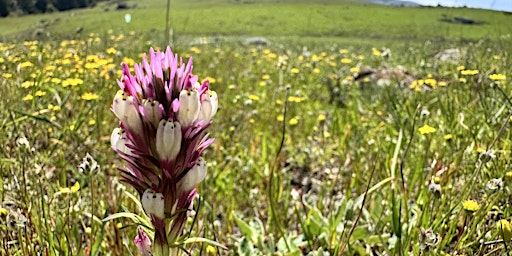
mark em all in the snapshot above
pixel 501 5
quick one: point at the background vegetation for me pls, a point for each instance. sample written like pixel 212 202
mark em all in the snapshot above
pixel 390 144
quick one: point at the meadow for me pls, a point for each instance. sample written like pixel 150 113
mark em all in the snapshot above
pixel 344 136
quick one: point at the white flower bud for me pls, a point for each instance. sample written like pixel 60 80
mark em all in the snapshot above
pixel 118 141
pixel 153 203
pixel 189 107
pixel 209 106
pixel 168 140
pixel 125 110
pixel 194 176
pixel 152 111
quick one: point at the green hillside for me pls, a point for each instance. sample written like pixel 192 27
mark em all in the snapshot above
pixel 318 19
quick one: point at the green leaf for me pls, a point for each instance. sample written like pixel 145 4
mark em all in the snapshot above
pixel 204 240
pixel 246 229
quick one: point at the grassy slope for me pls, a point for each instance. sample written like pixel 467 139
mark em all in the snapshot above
pixel 346 19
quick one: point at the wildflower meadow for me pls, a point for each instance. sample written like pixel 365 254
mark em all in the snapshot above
pixel 116 144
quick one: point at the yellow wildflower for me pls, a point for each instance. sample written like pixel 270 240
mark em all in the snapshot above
pixel 254 97
pixel 26 64
pixel 40 93
pixel 111 50
pixel 504 229
pixel 27 84
pixel 294 121
pixel 470 206
pixel 431 82
pixel 294 71
pixel 3 212
pixel 90 96
pixel 426 129
pixel 321 117
pixel 28 97
pixel 346 60
pixel 497 77
pixel 376 52
pixel 469 72
pixel 72 189
pixel 280 118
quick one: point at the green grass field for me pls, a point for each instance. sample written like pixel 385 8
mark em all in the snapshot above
pixel 311 157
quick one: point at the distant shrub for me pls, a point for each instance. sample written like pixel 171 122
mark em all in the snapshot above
pixel 41 5
pixel 26 6
pixel 4 11
pixel 64 5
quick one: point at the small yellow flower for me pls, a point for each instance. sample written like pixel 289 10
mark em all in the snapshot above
pixel 254 97
pixel 321 117
pixel 497 77
pixel 294 121
pixel 354 70
pixel 40 93
pixel 376 52
pixel 280 118
pixel 211 251
pixel 3 212
pixel 27 84
pixel 426 129
pixel 343 51
pixel 90 96
pixel 459 68
pixel 448 137
pixel 265 77
pixel 442 83
pixel 195 50
pixel 346 60
pixel 469 72
pixel 111 50
pixel 6 75
pixel 72 189
pixel 316 70
pixel 470 206
pixel 28 97
pixel 91 122
pixel 431 82
pixel 508 175
pixel 26 64
pixel 504 229
pixel 294 70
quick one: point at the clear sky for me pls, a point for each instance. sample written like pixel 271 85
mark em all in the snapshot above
pixel 501 5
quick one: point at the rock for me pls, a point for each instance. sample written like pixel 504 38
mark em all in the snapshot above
pixel 256 41
pixel 453 55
